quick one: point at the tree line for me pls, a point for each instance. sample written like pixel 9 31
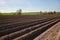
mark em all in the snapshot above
pixel 19 12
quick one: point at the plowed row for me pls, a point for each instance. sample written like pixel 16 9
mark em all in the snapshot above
pixel 25 27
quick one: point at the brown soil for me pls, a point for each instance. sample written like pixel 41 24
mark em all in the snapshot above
pixel 51 34
pixel 13 24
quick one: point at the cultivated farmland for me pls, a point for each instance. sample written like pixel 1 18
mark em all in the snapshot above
pixel 24 27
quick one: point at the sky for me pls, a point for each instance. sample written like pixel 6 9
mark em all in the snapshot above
pixel 29 5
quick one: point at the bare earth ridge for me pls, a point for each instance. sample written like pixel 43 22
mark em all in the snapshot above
pixel 30 27
pixel 51 34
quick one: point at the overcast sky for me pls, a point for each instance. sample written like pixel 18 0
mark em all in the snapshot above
pixel 29 5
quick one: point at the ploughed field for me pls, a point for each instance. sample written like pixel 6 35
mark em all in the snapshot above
pixel 26 27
